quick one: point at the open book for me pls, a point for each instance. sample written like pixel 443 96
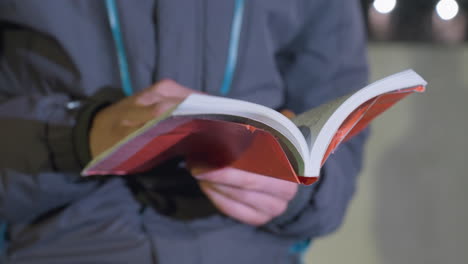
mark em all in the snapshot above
pixel 217 132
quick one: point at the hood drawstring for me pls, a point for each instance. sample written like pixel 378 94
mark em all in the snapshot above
pixel 114 23
pixel 236 29
pixel 233 51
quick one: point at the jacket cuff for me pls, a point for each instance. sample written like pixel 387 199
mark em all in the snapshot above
pixel 69 145
pixel 80 138
pixel 295 207
pixel 59 138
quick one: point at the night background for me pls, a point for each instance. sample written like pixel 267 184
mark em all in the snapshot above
pixel 435 21
pixel 411 202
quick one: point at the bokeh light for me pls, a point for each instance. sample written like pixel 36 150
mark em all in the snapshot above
pixel 447 9
pixel 384 6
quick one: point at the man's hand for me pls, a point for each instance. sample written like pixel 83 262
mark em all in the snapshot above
pixel 248 197
pixel 118 120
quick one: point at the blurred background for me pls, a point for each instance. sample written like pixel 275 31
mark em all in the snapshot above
pixel 411 205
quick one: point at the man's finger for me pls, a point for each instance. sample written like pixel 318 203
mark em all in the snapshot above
pixel 137 116
pixel 251 181
pixel 161 91
pixel 164 106
pixel 233 208
pixel 260 201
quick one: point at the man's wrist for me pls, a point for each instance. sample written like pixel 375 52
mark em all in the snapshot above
pixel 85 116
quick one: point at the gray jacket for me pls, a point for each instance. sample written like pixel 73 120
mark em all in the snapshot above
pixel 293 54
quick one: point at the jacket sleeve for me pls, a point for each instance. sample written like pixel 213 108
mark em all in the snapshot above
pixel 326 61
pixel 43 135
pixel 44 146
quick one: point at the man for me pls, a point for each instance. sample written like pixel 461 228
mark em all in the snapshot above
pixel 62 67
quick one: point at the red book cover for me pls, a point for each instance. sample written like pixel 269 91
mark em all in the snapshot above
pixel 215 132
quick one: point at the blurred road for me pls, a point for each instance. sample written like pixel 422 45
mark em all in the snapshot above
pixel 412 200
